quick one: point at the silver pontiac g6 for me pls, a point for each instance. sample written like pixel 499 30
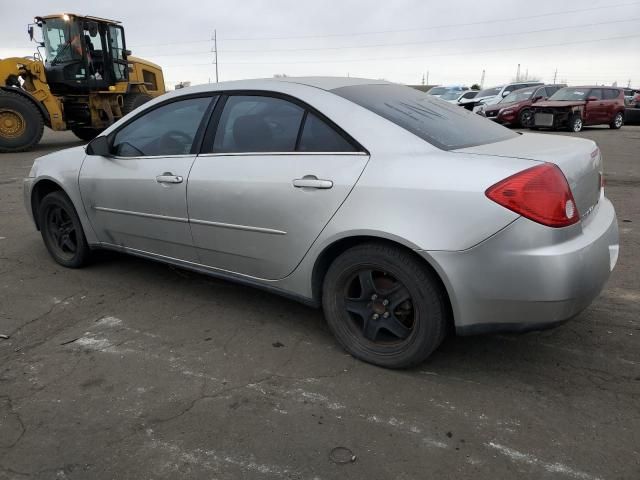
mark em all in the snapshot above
pixel 402 215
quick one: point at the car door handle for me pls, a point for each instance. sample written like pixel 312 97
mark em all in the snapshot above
pixel 311 181
pixel 168 177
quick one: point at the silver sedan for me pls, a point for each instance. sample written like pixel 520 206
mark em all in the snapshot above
pixel 402 215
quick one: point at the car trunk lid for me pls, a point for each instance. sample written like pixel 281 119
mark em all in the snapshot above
pixel 579 159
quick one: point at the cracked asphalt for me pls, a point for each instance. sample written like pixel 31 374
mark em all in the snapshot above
pixel 131 369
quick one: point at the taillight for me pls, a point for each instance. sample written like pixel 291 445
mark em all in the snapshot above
pixel 540 193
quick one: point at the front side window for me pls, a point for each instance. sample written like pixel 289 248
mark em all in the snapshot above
pixel 439 123
pixel 166 130
pixel 596 93
pixel 252 123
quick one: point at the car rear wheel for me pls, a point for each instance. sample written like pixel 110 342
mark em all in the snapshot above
pixel 575 123
pixel 62 231
pixel 384 306
pixel 617 121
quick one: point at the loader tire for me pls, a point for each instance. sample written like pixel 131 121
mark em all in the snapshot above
pixel 133 101
pixel 21 123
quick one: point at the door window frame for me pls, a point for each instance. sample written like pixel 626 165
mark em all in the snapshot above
pixel 206 146
pixel 200 131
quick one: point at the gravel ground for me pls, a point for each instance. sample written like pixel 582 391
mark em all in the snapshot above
pixel 131 369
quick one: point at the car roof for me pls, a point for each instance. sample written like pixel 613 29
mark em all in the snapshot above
pixel 323 83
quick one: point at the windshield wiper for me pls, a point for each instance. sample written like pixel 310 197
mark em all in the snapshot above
pixel 64 49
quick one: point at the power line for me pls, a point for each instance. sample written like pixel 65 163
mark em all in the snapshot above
pixel 352 34
pixel 467 52
pixel 379 45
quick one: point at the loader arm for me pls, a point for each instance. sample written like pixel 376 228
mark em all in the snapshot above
pixel 35 85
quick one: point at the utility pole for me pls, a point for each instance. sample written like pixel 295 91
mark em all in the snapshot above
pixel 427 77
pixel 629 84
pixel 482 80
pixel 518 74
pixel 526 75
pixel 423 79
pixel 215 51
pixel 555 75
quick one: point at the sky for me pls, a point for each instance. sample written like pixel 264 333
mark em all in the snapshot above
pixel 404 41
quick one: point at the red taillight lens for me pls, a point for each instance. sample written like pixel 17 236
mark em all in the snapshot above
pixel 540 193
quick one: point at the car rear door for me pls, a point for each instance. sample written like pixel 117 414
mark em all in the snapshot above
pixel 136 198
pixel 274 175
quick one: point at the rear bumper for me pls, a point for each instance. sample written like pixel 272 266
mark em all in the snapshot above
pixel 528 276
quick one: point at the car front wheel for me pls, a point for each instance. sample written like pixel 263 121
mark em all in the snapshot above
pixel 575 124
pixel 62 231
pixel 384 306
pixel 526 118
pixel 617 121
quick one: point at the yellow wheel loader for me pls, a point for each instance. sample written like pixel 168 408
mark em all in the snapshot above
pixel 85 80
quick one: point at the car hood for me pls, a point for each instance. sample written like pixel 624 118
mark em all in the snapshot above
pixel 578 158
pixel 560 104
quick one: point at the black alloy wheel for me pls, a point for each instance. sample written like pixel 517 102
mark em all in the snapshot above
pixel 384 305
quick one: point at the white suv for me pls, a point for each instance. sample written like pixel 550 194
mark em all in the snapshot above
pixel 491 96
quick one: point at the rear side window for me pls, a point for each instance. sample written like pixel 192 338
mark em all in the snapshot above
pixel 441 124
pixel 317 136
pixel 610 94
pixel 252 123
pixel 166 130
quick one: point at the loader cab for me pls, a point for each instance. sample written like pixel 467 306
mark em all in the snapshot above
pixel 83 54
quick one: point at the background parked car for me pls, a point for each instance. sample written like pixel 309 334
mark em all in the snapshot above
pixel 632 98
pixel 442 89
pixel 457 97
pixel 493 95
pixel 574 107
pixel 514 109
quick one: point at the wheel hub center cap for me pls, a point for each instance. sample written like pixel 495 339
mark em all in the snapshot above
pixel 378 307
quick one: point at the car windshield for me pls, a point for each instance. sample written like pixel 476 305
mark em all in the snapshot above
pixel 442 124
pixel 489 92
pixel 518 96
pixel 437 91
pixel 570 94
pixel 450 95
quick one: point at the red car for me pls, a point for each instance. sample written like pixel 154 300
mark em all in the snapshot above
pixel 514 108
pixel 574 107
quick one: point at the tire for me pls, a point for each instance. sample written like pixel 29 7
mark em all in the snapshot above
pixel 525 118
pixel 415 312
pixel 617 121
pixel 575 124
pixel 87 134
pixel 133 101
pixel 21 123
pixel 62 231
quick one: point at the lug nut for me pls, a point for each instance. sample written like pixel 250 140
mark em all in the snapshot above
pixel 374 296
pixel 386 315
pixel 376 316
pixel 385 302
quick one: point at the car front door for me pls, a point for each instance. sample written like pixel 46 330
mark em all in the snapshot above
pixel 136 197
pixel 275 175
pixel 595 110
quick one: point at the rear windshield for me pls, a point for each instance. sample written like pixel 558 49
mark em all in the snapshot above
pixel 442 124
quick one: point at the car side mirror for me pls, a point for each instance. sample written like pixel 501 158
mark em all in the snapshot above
pixel 591 99
pixel 504 94
pixel 100 146
pixel 538 98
